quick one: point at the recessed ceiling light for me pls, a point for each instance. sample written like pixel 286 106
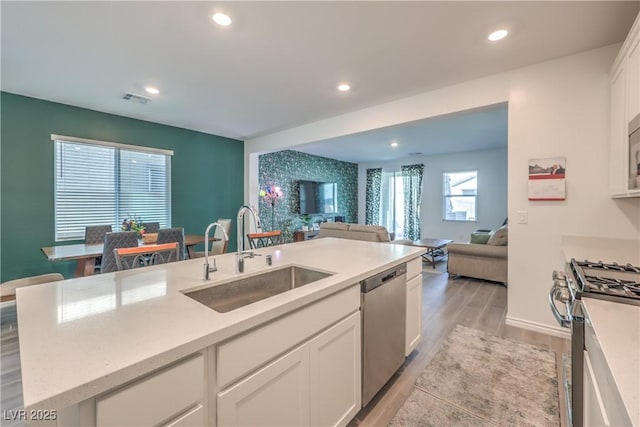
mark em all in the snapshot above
pixel 221 19
pixel 394 144
pixel 343 87
pixel 152 90
pixel 498 35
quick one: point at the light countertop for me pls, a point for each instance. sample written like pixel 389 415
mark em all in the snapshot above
pixel 617 328
pixel 81 337
pixel 603 249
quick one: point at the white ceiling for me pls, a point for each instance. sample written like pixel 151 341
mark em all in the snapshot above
pixel 473 130
pixel 278 64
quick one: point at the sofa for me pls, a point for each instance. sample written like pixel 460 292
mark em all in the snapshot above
pixel 487 261
pixel 343 230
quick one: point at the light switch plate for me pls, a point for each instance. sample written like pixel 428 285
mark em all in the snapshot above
pixel 523 217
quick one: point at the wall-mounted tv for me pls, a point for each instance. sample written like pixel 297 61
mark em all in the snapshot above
pixel 317 197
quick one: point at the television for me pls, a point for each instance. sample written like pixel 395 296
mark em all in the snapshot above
pixel 317 197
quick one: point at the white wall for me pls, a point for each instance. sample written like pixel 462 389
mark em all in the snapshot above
pixel 492 190
pixel 556 108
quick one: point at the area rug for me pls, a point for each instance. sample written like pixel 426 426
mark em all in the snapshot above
pixel 478 379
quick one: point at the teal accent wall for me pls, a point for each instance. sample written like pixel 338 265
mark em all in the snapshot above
pixel 284 168
pixel 206 175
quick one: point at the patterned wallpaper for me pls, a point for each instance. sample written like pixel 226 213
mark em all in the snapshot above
pixel 284 168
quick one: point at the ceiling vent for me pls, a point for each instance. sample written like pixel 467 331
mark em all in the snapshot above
pixel 415 153
pixel 136 98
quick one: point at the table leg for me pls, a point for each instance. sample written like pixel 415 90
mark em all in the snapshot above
pixel 432 251
pixel 191 251
pixel 85 267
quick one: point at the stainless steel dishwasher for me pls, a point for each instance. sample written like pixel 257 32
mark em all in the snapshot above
pixel 383 328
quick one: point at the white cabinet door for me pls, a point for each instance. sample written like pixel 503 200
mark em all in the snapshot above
pixel 277 394
pixel 413 329
pixel 594 410
pixel 633 78
pixel 618 149
pixel 156 398
pixel 193 418
pixel 335 380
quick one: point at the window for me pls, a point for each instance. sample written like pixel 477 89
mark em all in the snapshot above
pixel 460 196
pixel 392 203
pixel 104 183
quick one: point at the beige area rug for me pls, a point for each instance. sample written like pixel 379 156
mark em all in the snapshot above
pixel 478 379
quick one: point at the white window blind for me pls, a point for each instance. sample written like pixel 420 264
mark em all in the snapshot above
pixel 100 183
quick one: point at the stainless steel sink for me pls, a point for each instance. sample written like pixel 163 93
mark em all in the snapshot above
pixel 240 292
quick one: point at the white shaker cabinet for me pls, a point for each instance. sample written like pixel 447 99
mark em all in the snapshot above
pixel 619 138
pixel 335 377
pixel 594 412
pixel 413 331
pixel 317 383
pixel 277 394
pixel 174 396
pixel 625 105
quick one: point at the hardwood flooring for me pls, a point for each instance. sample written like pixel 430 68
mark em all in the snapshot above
pixel 10 376
pixel 446 303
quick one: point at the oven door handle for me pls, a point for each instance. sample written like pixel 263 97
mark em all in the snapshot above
pixel 564 321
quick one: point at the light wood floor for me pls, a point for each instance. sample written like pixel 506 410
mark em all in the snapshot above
pixel 446 303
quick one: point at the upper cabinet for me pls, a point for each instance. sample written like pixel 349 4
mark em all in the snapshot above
pixel 624 173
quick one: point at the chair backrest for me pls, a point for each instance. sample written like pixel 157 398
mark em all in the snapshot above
pixel 119 239
pixel 143 256
pixel 95 233
pixel 151 227
pixel 170 235
pixel 220 246
pixel 9 288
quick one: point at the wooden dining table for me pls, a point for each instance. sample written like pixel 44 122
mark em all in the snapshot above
pixel 86 253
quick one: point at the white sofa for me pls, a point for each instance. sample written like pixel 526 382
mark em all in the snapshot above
pixel 343 230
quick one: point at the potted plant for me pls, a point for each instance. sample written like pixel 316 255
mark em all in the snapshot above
pixel 307 221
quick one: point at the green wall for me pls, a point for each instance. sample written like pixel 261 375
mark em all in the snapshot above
pixel 284 168
pixel 206 175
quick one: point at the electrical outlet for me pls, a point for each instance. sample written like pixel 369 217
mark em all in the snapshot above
pixel 523 217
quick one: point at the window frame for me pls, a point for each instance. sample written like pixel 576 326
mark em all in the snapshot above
pixel 446 197
pixel 116 180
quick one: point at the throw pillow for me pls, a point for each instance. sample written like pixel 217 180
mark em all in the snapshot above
pixel 498 237
pixel 480 238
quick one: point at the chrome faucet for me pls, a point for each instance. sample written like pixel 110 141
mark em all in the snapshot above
pixel 241 254
pixel 208 269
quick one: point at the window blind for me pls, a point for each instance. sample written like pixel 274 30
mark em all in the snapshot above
pixel 99 184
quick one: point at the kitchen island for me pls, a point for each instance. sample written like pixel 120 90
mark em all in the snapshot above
pixel 90 345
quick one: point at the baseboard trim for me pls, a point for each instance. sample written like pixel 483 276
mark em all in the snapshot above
pixel 556 331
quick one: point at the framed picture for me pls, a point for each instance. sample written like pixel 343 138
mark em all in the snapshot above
pixel 547 178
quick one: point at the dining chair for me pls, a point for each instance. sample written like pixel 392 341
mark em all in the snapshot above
pixel 8 289
pixel 262 240
pixel 151 227
pixel 118 239
pixel 95 234
pixel 170 235
pixel 143 256
pixel 219 246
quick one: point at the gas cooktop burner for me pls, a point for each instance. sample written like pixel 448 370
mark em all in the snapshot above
pixel 604 266
pixel 617 286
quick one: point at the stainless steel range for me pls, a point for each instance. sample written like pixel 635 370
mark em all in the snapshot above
pixel 587 279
